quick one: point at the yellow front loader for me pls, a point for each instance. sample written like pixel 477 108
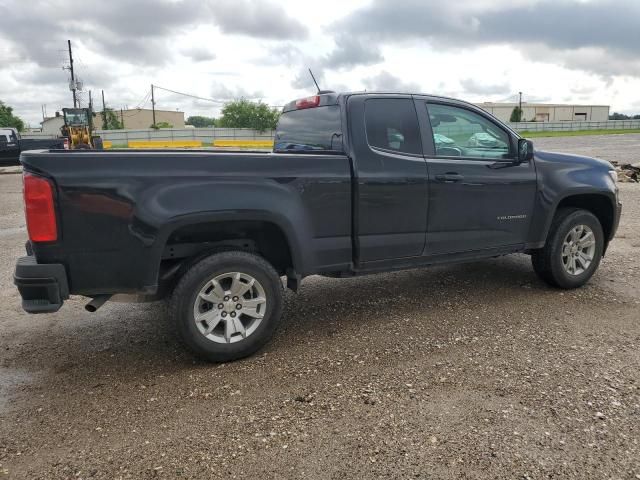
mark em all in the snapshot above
pixel 78 130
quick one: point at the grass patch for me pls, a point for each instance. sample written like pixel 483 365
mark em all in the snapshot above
pixel 578 133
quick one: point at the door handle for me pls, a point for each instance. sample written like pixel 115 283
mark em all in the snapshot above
pixel 449 177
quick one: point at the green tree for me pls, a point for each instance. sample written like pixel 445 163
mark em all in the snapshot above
pixel 159 125
pixel 246 114
pixel 199 121
pixel 622 116
pixel 618 116
pixel 8 119
pixel 110 120
pixel 516 115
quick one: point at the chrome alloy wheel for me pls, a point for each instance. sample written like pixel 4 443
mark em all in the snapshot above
pixel 230 307
pixel 578 249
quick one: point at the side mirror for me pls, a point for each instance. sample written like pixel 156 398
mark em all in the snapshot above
pixel 525 150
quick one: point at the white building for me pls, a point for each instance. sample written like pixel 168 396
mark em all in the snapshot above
pixel 549 112
pixel 51 125
pixel 137 119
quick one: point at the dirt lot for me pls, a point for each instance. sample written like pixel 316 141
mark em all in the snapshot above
pixel 467 371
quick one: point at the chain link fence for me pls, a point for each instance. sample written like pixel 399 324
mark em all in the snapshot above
pixel 575 126
pixel 204 135
pixel 208 135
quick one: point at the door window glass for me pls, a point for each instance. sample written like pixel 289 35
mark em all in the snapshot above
pixel 458 132
pixel 310 130
pixel 392 124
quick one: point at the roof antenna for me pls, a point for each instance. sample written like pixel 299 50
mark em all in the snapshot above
pixel 314 81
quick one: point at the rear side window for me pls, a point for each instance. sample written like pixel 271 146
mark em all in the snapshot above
pixel 310 130
pixel 392 124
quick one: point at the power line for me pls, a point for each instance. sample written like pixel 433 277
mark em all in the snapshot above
pixel 144 100
pixel 190 95
pixel 507 99
pixel 197 97
pixel 515 98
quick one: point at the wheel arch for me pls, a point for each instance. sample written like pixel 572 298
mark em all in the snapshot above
pixel 598 203
pixel 190 237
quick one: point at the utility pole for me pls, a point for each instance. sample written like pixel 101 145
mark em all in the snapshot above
pixel 520 105
pixel 153 105
pixel 90 112
pixel 122 118
pixel 104 113
pixel 73 78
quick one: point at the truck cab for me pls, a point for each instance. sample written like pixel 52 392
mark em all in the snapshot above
pixel 9 146
pixel 435 179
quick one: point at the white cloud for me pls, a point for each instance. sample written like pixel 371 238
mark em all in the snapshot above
pixel 560 50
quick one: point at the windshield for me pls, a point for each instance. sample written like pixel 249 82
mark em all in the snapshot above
pixel 8 136
pixel 310 130
pixel 76 117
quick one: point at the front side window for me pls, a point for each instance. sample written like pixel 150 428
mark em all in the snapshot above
pixel 392 125
pixel 458 132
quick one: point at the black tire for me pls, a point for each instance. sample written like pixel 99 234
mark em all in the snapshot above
pixel 547 261
pixel 82 146
pixel 181 304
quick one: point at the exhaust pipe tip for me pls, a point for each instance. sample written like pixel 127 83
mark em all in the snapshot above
pixel 96 303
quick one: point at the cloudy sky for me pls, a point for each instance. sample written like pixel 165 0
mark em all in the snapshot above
pixel 480 50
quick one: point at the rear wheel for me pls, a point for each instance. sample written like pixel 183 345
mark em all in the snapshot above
pixel 573 249
pixel 227 306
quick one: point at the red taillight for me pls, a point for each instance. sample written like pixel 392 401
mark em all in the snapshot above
pixel 39 210
pixel 308 102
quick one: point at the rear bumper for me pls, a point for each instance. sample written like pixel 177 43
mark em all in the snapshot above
pixel 42 286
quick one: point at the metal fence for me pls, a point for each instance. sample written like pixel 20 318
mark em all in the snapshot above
pixel 205 135
pixel 573 126
pixel 208 135
pixel 38 135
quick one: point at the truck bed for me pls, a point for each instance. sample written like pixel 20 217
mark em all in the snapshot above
pixel 119 210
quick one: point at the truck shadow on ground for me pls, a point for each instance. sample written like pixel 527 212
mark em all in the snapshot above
pixel 138 339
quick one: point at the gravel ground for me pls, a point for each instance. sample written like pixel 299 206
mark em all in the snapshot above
pixel 466 371
pixel 622 148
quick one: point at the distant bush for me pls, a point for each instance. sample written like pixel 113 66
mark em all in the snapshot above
pixel 201 122
pixel 516 115
pixel 246 114
pixel 8 119
pixel 159 125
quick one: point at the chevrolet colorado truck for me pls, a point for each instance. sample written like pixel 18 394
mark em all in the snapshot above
pixel 357 183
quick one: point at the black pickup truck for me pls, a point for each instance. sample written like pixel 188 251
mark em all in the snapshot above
pixel 12 144
pixel 357 183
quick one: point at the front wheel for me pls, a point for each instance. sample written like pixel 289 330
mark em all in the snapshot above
pixel 227 306
pixel 573 249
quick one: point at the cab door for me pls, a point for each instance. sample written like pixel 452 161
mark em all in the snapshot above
pixel 9 148
pixel 390 190
pixel 479 197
